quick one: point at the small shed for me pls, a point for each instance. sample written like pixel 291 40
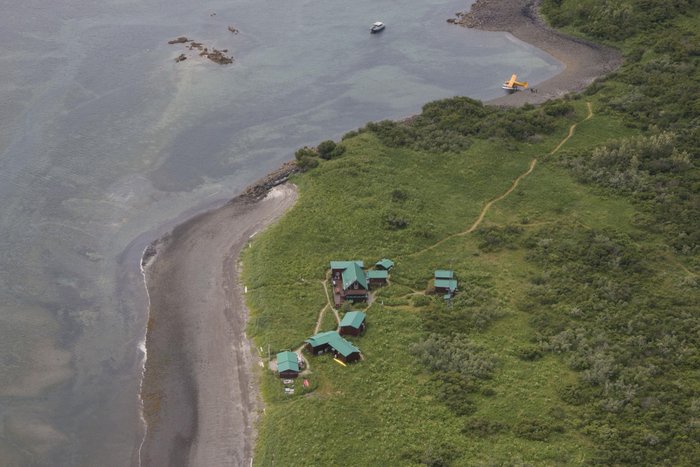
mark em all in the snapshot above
pixel 385 264
pixel 288 364
pixel 353 323
pixel 377 277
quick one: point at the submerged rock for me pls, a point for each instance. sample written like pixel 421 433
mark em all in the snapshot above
pixel 180 58
pixel 179 40
pixel 218 56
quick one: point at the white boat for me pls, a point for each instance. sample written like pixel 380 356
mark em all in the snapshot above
pixel 376 27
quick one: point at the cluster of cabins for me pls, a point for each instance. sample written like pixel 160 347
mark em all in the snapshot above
pixel 353 324
pixel 352 283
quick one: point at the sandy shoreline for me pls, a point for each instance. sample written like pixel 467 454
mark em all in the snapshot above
pixel 200 395
pixel 199 392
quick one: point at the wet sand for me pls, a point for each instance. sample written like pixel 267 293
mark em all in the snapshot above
pixel 200 394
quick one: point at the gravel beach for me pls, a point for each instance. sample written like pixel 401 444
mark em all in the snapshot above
pixel 200 395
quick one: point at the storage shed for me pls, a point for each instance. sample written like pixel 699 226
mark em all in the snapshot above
pixel 385 264
pixel 353 323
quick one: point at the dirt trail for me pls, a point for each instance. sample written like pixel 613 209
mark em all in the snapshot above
pixel 513 186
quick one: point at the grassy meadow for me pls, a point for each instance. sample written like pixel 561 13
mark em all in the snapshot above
pixel 573 338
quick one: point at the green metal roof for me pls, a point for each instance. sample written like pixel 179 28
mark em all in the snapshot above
pixel 385 263
pixel 352 273
pixel 343 347
pixel 375 274
pixel 333 339
pixel 346 264
pixel 451 285
pixel 321 338
pixel 353 319
pixel 287 361
pixel 444 274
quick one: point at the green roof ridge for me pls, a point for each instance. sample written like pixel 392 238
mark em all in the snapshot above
pixel 354 273
pixel 287 361
pixel 353 319
pixel 444 274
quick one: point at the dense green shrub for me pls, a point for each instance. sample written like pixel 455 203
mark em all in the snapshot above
pixel 329 150
pixel 421 300
pixel 451 125
pixel 595 305
pixel 395 222
pixel 306 158
pixel 659 175
pixel 453 354
pixel 535 430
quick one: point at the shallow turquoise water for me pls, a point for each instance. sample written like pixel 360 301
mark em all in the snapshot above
pixel 106 142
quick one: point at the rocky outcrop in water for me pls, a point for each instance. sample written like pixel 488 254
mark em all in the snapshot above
pixel 215 55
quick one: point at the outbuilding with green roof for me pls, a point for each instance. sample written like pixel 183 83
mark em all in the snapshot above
pixel 288 364
pixel 377 277
pixel 385 264
pixel 353 323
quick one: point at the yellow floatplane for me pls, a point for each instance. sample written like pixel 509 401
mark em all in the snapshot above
pixel 513 85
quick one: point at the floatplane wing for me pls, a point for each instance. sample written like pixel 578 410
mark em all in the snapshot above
pixel 512 84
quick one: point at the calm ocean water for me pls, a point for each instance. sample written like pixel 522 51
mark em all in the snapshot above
pixel 106 142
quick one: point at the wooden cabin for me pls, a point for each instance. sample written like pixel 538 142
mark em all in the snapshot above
pixel 445 283
pixel 345 351
pixel 287 364
pixel 331 341
pixel 353 323
pixel 349 281
pixel 320 343
pixel 377 278
pixel 384 264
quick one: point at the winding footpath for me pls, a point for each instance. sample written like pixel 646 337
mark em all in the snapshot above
pixel 513 186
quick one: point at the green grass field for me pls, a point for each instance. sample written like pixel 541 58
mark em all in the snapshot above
pixel 582 309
